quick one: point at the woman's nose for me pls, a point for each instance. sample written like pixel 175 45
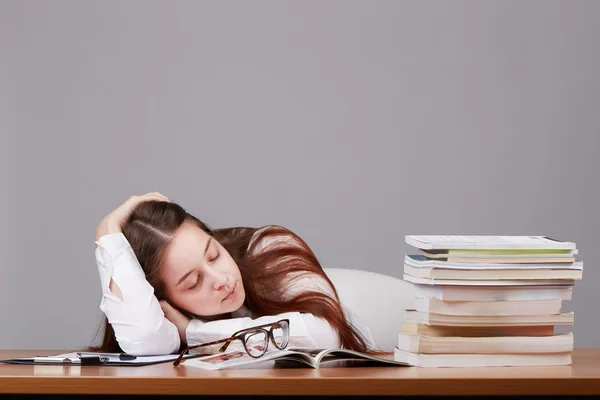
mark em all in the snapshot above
pixel 219 280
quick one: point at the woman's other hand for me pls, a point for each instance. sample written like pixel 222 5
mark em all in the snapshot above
pixel 177 318
pixel 113 222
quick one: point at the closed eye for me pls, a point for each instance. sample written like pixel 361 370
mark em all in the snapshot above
pixel 198 280
pixel 195 284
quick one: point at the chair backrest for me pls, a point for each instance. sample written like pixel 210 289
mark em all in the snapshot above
pixel 378 300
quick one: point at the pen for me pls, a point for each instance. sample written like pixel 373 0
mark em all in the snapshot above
pixel 122 356
pixel 57 359
pixel 84 360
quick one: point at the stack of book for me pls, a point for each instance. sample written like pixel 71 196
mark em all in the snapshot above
pixel 488 301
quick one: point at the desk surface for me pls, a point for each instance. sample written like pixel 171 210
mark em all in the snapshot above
pixel 580 378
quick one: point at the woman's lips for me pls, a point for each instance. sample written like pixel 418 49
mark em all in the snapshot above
pixel 231 294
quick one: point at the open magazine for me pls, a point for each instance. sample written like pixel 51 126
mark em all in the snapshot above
pixel 298 357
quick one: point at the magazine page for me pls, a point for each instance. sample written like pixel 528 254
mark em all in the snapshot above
pixel 331 355
pixel 296 357
pixel 240 358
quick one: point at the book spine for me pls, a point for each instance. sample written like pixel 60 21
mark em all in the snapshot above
pixel 476 331
pixel 489 308
pixel 487 345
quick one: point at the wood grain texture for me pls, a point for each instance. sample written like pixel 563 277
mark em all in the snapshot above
pixel 580 378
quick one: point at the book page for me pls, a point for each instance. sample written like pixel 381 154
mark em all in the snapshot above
pixel 323 356
pixel 328 355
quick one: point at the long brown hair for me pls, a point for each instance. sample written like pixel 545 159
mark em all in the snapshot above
pixel 152 225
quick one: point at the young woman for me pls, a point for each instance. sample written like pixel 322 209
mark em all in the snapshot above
pixel 169 281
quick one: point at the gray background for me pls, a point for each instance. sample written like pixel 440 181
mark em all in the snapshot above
pixel 353 123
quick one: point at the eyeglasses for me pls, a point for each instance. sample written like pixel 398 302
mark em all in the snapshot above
pixel 254 339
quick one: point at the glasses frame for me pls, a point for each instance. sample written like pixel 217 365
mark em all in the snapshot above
pixel 241 335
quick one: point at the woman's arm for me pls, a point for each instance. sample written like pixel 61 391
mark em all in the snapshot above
pixel 133 311
pixel 306 330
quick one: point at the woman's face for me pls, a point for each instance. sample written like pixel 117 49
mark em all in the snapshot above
pixel 199 275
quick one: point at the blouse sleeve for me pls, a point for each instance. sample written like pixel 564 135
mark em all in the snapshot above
pixel 138 320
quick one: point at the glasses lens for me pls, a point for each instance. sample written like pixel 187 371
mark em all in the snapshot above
pixel 281 334
pixel 256 342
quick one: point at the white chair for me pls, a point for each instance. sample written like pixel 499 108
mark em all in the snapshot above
pixel 378 300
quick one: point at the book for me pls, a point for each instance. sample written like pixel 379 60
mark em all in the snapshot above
pixel 490 282
pixel 520 260
pixel 419 261
pixel 485 345
pixel 509 253
pixel 475 308
pixel 414 328
pixel 562 319
pixel 517 257
pixel 297 357
pixel 492 293
pixel 486 242
pixel 481 360
pixel 492 274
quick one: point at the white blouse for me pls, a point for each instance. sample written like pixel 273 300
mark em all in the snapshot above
pixel 141 327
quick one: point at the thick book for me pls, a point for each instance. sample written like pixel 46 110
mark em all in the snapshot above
pixel 492 293
pixel 485 345
pixel 562 319
pixel 472 308
pixel 414 328
pixel 482 360
pixel 492 274
pixel 296 357
pixel 486 242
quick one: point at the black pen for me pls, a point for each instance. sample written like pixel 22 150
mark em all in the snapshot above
pixel 122 356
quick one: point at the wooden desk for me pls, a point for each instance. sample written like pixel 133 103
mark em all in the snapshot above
pixel 581 378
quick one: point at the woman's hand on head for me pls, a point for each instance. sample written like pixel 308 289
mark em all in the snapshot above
pixel 113 222
pixel 177 318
